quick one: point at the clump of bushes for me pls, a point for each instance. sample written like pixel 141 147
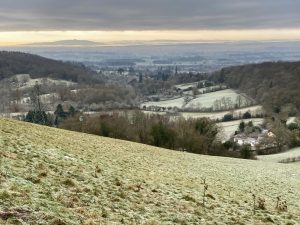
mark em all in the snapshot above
pixel 193 135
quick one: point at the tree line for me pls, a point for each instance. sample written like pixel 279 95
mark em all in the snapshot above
pixel 193 135
pixel 198 136
pixel 273 84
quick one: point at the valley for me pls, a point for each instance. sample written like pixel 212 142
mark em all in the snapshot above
pixel 136 112
pixel 164 95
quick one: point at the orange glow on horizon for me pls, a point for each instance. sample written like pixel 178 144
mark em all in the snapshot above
pixel 110 37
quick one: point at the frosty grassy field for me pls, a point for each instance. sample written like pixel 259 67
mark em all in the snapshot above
pixel 31 82
pixel 186 86
pixel 178 102
pixel 51 176
pixel 201 90
pixel 280 156
pixel 219 115
pixel 201 101
pixel 228 128
pixel 207 100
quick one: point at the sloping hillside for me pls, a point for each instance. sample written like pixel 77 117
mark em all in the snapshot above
pixel 291 156
pixel 51 176
pixel 12 63
pixel 274 84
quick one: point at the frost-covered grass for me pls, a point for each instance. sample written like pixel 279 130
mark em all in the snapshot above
pixel 219 115
pixel 207 100
pixel 178 102
pixel 202 101
pixel 293 153
pixel 154 113
pixel 51 176
pixel 228 128
pixel 45 98
pixel 187 85
pixel 31 82
pixel 201 90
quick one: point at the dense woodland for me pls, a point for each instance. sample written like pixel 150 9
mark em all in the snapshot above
pixel 273 84
pixel 100 97
pixel 12 63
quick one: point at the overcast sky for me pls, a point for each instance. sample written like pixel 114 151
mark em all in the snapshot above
pixel 26 21
pixel 25 15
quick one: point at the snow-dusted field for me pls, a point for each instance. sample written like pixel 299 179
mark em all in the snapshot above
pixel 45 98
pixel 201 90
pixel 154 113
pixel 186 86
pixel 178 102
pixel 18 114
pixel 254 110
pixel 31 82
pixel 228 128
pixel 207 100
pixel 73 178
pixel 293 153
pixel 202 101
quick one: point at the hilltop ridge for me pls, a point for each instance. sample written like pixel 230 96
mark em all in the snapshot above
pixel 73 42
pixel 12 63
pixel 273 84
pixel 52 176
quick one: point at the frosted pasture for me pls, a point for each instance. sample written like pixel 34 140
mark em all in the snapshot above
pixel 186 86
pixel 74 178
pixel 257 109
pixel 31 82
pixel 178 102
pixel 154 113
pixel 201 90
pixel 207 100
pixel 229 128
pixel 293 153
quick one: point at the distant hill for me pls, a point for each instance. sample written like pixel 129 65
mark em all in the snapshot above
pixel 274 84
pixel 67 43
pixel 12 63
pixel 52 176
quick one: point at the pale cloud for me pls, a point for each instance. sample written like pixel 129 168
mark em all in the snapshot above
pixel 113 37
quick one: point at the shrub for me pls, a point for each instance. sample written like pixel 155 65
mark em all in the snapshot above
pixel 242 126
pixel 38 117
pixel 246 152
pixel 247 115
pixel 228 117
pixel 261 203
